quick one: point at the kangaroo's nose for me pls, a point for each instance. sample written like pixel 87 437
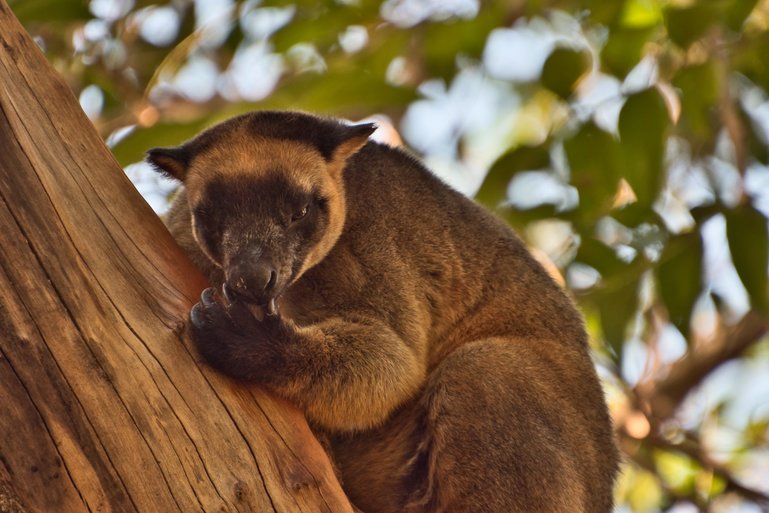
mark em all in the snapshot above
pixel 255 282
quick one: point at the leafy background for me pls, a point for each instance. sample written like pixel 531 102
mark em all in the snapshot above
pixel 625 140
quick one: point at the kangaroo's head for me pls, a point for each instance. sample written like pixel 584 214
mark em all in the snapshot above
pixel 265 194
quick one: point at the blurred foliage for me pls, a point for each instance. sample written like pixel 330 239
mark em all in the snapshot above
pixel 678 144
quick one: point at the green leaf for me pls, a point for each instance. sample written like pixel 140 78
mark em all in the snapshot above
pixel 679 277
pixel 633 215
pixel 700 93
pixel 563 69
pixel 520 219
pixel 59 11
pixel 616 307
pixel 702 213
pixel 677 470
pixel 342 90
pixel 688 24
pixel 320 23
pixel 616 295
pixel 442 42
pixel 749 58
pixel 645 493
pixel 641 13
pixel 493 191
pixel 596 179
pixel 624 49
pixel 643 129
pixel 746 231
pixel 600 257
pixel 757 146
pixel 737 11
pixel 603 12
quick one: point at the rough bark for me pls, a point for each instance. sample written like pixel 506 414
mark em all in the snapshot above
pixel 103 404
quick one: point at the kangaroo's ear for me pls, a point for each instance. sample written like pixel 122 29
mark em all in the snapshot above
pixel 172 162
pixel 355 137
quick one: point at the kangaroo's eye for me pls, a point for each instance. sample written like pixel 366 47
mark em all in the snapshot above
pixel 202 213
pixel 300 214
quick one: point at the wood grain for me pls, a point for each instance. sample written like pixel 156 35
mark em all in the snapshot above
pixel 103 405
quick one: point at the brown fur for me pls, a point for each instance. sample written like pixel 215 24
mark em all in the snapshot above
pixel 450 372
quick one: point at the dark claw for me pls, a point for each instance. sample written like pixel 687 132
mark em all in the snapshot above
pixel 229 294
pixel 197 315
pixel 208 297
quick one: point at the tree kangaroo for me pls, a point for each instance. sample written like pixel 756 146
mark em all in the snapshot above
pixel 448 370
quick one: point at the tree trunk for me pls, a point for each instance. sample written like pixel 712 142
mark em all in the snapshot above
pixel 103 404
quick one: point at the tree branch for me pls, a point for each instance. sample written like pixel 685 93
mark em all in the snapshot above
pixel 662 397
pixel 105 407
pixel 638 451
